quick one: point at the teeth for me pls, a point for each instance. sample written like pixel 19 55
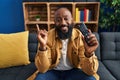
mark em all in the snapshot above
pixel 63 28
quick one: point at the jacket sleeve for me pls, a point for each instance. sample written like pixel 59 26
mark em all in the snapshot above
pixel 43 60
pixel 88 65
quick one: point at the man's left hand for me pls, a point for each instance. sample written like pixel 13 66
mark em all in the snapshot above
pixel 93 44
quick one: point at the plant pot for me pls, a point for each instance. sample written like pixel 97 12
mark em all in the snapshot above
pixel 38 19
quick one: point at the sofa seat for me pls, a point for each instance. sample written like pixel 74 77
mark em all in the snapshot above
pixel 17 73
pixel 104 73
pixel 114 67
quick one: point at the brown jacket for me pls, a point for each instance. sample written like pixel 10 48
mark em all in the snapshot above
pixel 46 60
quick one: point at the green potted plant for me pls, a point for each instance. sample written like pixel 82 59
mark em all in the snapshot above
pixel 37 17
pixel 110 15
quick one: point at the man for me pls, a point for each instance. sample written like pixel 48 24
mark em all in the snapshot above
pixel 63 53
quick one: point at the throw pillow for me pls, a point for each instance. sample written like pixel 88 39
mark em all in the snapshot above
pixel 14 49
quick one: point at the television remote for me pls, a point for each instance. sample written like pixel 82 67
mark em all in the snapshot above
pixel 84 31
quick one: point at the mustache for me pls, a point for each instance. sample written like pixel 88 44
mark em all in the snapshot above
pixel 62 26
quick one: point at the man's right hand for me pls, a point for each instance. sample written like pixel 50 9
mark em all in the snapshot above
pixel 42 38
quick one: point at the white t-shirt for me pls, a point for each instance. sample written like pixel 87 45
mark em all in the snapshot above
pixel 64 63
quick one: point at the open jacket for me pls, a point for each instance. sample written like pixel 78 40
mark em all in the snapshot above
pixel 46 60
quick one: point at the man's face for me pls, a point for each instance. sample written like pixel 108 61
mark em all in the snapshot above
pixel 63 19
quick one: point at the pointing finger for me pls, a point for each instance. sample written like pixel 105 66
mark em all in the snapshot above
pixel 38 29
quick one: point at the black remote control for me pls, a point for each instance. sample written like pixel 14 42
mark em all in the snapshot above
pixel 82 27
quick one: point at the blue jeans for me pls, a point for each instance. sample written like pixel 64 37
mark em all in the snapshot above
pixel 73 74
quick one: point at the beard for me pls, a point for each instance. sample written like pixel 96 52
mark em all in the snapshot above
pixel 66 35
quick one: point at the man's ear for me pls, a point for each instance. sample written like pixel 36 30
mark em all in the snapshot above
pixel 72 20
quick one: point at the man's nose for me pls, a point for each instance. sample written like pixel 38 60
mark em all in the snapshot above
pixel 63 22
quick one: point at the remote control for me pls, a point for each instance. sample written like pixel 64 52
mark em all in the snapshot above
pixel 84 31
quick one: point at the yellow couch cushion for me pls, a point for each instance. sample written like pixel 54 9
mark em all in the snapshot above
pixel 14 49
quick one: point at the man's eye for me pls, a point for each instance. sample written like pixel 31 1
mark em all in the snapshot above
pixel 66 19
pixel 57 20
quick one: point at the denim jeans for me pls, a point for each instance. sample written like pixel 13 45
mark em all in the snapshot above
pixel 73 74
